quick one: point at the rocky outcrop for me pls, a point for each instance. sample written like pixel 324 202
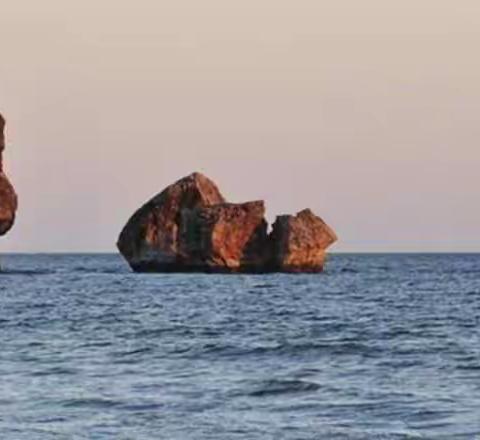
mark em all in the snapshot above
pixel 189 227
pixel 224 238
pixel 8 197
pixel 150 241
pixel 298 243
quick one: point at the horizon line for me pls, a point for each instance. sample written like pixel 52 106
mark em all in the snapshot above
pixel 328 253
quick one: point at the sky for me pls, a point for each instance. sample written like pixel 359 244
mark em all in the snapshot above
pixel 368 112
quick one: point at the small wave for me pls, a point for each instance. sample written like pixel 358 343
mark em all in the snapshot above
pixel 26 272
pixel 56 371
pixel 383 268
pixel 306 372
pixel 283 349
pixel 142 407
pixel 96 270
pixel 469 367
pixel 348 270
pixel 96 344
pixel 49 420
pixel 179 330
pixel 330 347
pixel 465 271
pixel 275 387
pixel 133 352
pixel 91 403
pixel 42 306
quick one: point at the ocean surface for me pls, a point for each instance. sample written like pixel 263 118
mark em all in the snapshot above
pixel 377 347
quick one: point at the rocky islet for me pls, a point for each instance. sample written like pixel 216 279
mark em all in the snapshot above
pixel 190 227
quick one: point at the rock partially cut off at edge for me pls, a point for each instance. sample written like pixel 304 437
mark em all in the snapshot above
pixel 8 197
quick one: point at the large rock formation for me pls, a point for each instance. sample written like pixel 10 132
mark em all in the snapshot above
pixel 8 198
pixel 150 241
pixel 298 243
pixel 190 228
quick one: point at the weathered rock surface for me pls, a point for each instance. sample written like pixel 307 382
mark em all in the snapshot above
pixel 8 197
pixel 189 227
pixel 298 243
pixel 150 241
pixel 225 238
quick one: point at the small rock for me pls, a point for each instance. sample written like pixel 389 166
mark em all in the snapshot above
pixel 298 243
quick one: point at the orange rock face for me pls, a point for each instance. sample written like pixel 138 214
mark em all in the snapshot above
pixel 226 237
pixel 298 243
pixel 8 197
pixel 190 228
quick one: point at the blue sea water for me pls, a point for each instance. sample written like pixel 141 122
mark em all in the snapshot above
pixel 377 347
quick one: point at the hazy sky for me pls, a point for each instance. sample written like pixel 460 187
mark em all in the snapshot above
pixel 366 111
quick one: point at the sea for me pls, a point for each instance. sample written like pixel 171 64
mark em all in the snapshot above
pixel 376 347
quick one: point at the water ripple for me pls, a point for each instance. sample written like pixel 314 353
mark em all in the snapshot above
pixel 378 347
